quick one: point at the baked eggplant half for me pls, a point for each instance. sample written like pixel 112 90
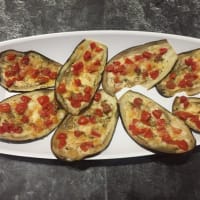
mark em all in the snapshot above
pixel 185 76
pixel 80 76
pixel 142 65
pixel 88 133
pixel 152 126
pixel 188 109
pixel 27 71
pixel 29 116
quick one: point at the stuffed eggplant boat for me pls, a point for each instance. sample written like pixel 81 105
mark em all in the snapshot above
pixel 29 116
pixel 152 126
pixel 185 76
pixel 188 109
pixel 88 133
pixel 80 76
pixel 27 71
pixel 143 65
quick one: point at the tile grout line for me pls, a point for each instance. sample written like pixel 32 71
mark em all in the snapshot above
pixel 105 185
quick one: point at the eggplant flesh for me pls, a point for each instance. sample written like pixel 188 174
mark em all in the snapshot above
pixel 184 77
pixel 69 139
pixel 81 71
pixel 29 116
pixel 149 134
pixel 27 71
pixel 144 65
pixel 189 111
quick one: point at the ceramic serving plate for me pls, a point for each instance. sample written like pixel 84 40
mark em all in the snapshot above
pixel 59 46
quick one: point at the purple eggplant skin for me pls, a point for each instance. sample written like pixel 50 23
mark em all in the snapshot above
pixel 28 140
pixel 30 87
pixel 107 83
pixel 163 91
pixel 65 70
pixel 194 99
pixel 142 142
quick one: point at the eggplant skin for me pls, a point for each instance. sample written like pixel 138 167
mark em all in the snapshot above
pixel 180 68
pixel 37 62
pixel 164 64
pixel 35 128
pixel 195 102
pixel 91 79
pixel 155 145
pixel 106 127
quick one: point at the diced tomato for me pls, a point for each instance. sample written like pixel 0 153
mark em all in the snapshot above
pixel 182 144
pixel 183 115
pixel 170 84
pixel 78 133
pixel 48 123
pixel 25 99
pixel 42 79
pixel 34 73
pixel 83 120
pixel 128 61
pixel 21 108
pixel 10 82
pixel 184 101
pixel 176 130
pixel 77 68
pixel 77 82
pixel 85 146
pixel 17 129
pixel 172 75
pixel 98 49
pixel 95 133
pixel 45 71
pixel 134 129
pixel 98 112
pixel 154 74
pixel 147 55
pixel 160 124
pixel 25 119
pixel 11 56
pixel 53 75
pixel 93 45
pixel 148 133
pixel 145 116
pixel 87 56
pixel 15 68
pixel 5 107
pixel 25 60
pixel 189 62
pixel 195 119
pixel 87 89
pixel 97 96
pixel 138 57
pixel 75 103
pixel 157 113
pixel 117 79
pixel 109 68
pixel 163 51
pixel 9 73
pixel 167 138
pixel 61 136
pixel 43 100
pixel 92 68
pixel 137 102
pixel 61 144
pixel 97 62
pixel 61 88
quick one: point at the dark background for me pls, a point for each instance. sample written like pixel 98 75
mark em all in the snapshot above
pixel 145 178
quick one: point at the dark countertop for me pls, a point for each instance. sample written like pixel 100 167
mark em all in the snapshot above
pixel 153 177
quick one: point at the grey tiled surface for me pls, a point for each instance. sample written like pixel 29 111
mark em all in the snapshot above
pixel 156 177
